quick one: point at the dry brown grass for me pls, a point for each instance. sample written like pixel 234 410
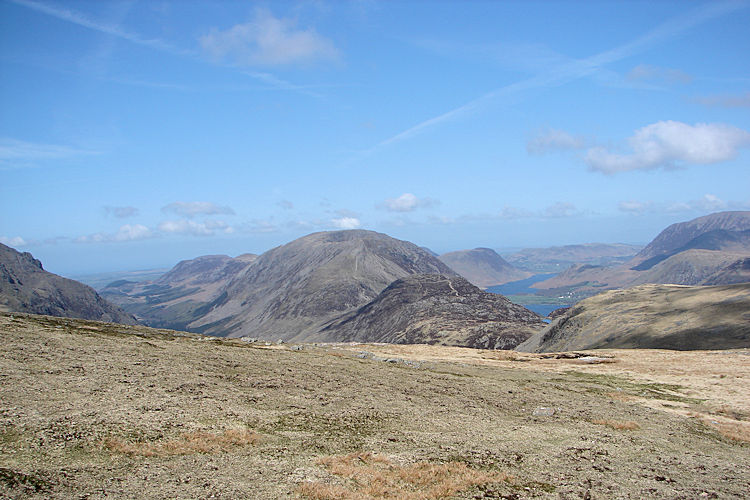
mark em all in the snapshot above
pixel 370 476
pixel 734 430
pixel 620 425
pixel 186 444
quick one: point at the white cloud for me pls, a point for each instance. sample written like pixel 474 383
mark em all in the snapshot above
pixel 127 232
pixel 726 101
pixel 130 232
pixel 649 72
pixel 267 40
pixel 15 241
pixel 407 202
pixel 187 226
pixel 669 144
pixel 192 208
pixel 553 140
pixel 121 212
pixel 707 203
pixel 346 223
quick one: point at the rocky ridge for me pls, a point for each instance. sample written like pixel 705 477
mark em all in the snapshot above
pixel 26 287
pixel 436 309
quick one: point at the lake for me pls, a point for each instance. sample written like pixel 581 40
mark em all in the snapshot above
pixel 518 290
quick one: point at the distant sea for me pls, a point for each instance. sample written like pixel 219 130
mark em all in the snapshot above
pixel 519 289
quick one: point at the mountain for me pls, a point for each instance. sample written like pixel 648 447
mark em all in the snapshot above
pixel 176 298
pixel 652 317
pixel 26 287
pixel 290 291
pixel 436 309
pixel 483 267
pixel 555 259
pixel 705 250
pixel 681 235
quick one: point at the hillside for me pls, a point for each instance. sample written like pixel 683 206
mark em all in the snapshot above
pixel 483 267
pixel 26 287
pixel 652 317
pixel 435 309
pixel 171 301
pixel 681 234
pixel 126 412
pixel 290 291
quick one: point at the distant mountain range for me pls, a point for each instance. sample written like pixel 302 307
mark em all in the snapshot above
pixel 26 287
pixel 652 317
pixel 316 288
pixel 559 258
pixel 483 267
pixel 708 250
pixel 364 286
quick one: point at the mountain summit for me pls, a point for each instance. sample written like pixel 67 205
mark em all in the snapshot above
pixel 290 291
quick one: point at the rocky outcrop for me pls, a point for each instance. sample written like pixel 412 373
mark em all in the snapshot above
pixel 436 309
pixel 26 287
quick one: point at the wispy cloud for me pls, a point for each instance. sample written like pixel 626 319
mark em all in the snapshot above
pixel 13 241
pixel 121 212
pixel 81 19
pixel 726 101
pixel 127 232
pixel 572 69
pixel 559 209
pixel 647 72
pixel 670 144
pixel 193 208
pixel 19 154
pixel 549 140
pixel 635 207
pixel 706 203
pixel 407 202
pixel 194 228
pixel 267 40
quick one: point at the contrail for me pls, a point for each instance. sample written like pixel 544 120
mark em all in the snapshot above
pixel 576 69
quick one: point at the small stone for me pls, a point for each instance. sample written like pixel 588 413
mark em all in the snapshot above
pixel 543 412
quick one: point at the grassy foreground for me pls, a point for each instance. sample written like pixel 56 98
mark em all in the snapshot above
pixel 94 410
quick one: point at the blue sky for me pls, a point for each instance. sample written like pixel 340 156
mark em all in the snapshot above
pixel 136 134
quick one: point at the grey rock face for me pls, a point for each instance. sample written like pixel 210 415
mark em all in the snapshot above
pixel 26 287
pixel 436 309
